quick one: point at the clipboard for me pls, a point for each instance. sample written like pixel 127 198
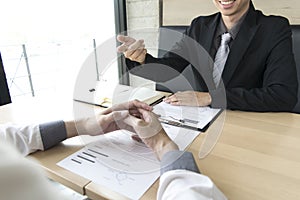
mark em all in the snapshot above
pixel 195 118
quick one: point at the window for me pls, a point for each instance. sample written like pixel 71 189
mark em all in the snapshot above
pixel 44 43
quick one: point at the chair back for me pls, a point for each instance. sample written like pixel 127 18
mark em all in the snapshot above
pixel 296 49
pixel 4 91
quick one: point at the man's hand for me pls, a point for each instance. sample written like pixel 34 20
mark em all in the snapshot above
pixel 108 120
pixel 151 132
pixel 132 49
pixel 189 98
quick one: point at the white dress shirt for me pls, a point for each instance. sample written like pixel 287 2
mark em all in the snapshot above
pixel 20 178
pixel 187 185
pixel 31 138
pixel 26 139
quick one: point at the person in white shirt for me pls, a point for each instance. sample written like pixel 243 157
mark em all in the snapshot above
pixel 22 179
pixel 30 138
pixel 180 176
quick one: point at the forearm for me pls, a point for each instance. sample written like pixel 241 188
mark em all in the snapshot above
pixel 160 143
pixel 157 69
pixel 268 99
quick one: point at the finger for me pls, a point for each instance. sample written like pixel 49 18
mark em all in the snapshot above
pixel 115 116
pixel 123 126
pixel 138 104
pixel 131 105
pixel 137 138
pixel 129 48
pixel 131 120
pixel 128 54
pixel 122 48
pixel 141 58
pixel 117 107
pixel 172 98
pixel 139 44
pixel 145 115
pixel 176 103
pixel 138 55
pixel 126 42
pixel 125 39
pixel 132 50
pixel 134 53
pixel 135 113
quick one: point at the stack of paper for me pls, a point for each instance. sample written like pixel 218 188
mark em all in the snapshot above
pixel 122 164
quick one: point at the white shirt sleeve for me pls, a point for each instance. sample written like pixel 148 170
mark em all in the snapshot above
pixel 21 178
pixel 26 139
pixel 184 184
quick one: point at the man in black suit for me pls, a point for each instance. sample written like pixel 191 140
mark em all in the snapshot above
pixel 259 73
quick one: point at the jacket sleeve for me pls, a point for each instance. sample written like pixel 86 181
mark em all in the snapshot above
pixel 181 179
pixel 175 59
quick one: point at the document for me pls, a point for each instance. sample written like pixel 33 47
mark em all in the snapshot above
pixel 197 118
pixel 106 95
pixel 122 164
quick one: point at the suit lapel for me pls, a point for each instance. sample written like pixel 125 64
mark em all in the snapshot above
pixel 240 45
pixel 206 37
pixel 208 31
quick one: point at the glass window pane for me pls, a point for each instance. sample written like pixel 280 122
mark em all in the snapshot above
pixel 58 37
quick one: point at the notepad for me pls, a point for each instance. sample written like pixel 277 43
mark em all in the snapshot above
pixel 106 95
pixel 197 118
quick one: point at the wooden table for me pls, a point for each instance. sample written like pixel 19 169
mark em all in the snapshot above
pixel 256 157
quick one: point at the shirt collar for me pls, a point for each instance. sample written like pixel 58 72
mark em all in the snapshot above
pixel 234 30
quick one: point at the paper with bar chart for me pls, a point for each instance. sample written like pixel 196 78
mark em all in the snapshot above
pixel 122 164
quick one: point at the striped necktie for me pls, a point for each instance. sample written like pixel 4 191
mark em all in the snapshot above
pixel 221 57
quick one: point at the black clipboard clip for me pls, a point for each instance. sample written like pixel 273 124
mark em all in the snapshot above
pixel 181 122
pixel 178 124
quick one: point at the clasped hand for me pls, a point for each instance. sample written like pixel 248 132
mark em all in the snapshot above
pixel 134 116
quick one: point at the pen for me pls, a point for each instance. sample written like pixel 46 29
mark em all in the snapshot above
pixel 179 124
pixel 157 101
pixel 137 138
pixel 94 104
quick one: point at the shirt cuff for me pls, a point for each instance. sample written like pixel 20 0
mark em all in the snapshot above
pixel 218 97
pixel 173 160
pixel 52 133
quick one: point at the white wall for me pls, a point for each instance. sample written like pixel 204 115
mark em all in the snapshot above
pixel 143 23
pixel 182 12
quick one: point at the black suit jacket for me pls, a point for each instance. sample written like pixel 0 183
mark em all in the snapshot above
pixel 259 74
pixel 4 92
